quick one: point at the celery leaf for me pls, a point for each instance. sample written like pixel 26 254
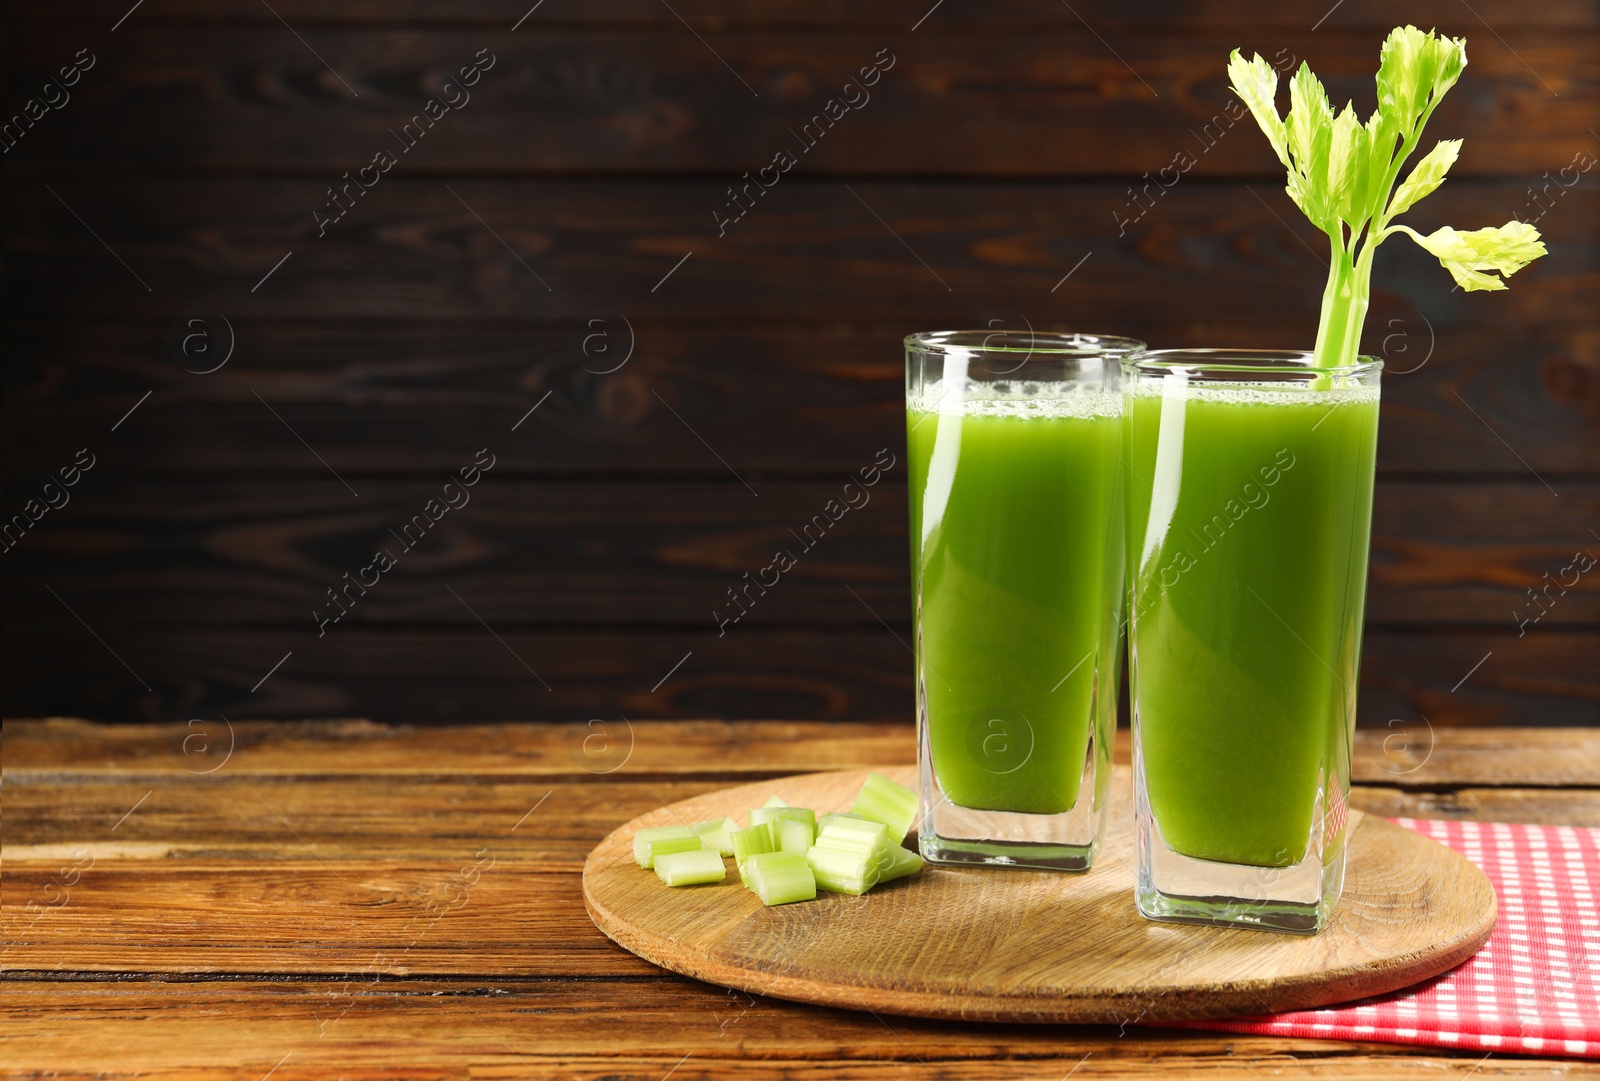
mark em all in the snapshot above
pixel 1256 84
pixel 1471 256
pixel 1425 176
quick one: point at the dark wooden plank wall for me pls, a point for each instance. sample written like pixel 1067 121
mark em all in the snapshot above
pixel 522 250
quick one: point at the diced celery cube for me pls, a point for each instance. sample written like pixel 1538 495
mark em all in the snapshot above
pixel 661 840
pixel 773 814
pixel 690 868
pixel 751 842
pixel 717 834
pixel 794 834
pixel 902 862
pixel 780 878
pixel 889 802
pixel 839 870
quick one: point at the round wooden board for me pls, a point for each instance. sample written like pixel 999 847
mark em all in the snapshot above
pixel 1018 945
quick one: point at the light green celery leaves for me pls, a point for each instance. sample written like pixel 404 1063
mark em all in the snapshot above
pixel 1368 191
pixel 1342 174
pixel 1347 168
pixel 1255 82
pixel 1415 70
pixel 1425 176
pixel 1471 256
pixel 1309 127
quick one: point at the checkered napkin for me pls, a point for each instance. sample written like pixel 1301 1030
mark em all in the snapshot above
pixel 1533 989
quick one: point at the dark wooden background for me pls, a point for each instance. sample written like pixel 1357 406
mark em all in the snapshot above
pixel 764 370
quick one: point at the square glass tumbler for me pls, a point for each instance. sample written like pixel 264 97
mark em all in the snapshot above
pixel 1017 587
pixel 1249 504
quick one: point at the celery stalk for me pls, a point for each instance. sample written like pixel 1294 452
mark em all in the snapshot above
pixel 662 840
pixel 883 800
pixel 775 801
pixel 690 868
pixel 717 834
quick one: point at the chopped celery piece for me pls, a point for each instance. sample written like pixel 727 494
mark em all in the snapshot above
pixel 793 834
pixel 850 831
pixel 717 834
pixel 750 842
pixel 886 801
pixel 660 840
pixel 690 868
pixel 775 801
pixel 850 855
pixel 902 862
pixel 843 870
pixel 773 814
pixel 779 878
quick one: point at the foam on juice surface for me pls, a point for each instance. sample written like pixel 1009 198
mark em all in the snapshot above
pixel 1024 400
pixel 1242 393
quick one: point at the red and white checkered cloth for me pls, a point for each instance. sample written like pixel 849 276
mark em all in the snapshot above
pixel 1534 988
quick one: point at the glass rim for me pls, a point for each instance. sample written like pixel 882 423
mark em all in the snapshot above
pixel 1045 342
pixel 1250 361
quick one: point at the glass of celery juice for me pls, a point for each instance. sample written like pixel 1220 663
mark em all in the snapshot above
pixel 1016 552
pixel 1249 510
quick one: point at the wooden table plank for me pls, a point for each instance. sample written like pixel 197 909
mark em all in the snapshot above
pixel 67 747
pixel 340 819
pixel 297 895
pixel 632 1029
pixel 360 747
pixel 436 931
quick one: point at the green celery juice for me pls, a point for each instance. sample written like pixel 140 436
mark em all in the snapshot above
pixel 1249 516
pixel 1016 536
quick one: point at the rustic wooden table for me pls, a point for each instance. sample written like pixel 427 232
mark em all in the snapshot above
pixel 343 899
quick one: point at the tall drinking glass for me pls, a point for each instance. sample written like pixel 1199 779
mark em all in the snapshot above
pixel 1249 505
pixel 1016 536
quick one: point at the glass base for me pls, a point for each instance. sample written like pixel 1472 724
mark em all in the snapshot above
pixel 1174 888
pixel 1029 854
pixel 948 833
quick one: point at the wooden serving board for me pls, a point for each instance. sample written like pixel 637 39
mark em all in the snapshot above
pixel 1018 945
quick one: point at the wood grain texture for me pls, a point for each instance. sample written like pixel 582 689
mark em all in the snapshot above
pixel 657 101
pixel 193 923
pixel 900 15
pixel 71 750
pixel 183 891
pixel 203 551
pixel 986 944
pixel 452 674
pixel 343 821
pixel 200 1030
pixel 414 396
pixel 1009 143
pixel 411 249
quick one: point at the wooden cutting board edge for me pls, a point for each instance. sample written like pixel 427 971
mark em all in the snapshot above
pixel 1093 1005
